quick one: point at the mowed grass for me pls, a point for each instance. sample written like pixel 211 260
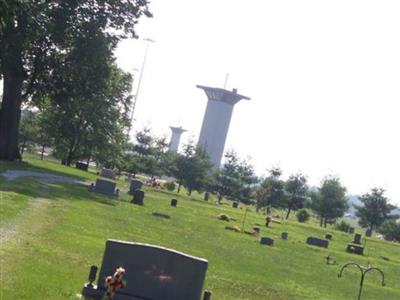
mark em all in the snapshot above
pixel 53 232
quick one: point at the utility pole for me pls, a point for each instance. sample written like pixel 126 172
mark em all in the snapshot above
pixel 135 97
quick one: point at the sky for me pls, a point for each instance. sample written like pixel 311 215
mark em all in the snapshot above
pixel 323 77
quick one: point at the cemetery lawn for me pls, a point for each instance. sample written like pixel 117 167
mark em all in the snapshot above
pixel 52 232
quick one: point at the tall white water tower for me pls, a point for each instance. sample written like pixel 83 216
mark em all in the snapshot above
pixel 216 121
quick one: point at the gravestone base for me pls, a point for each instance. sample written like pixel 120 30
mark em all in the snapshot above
pixel 356 249
pixel 317 242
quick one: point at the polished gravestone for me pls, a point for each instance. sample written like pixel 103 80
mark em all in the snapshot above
pixel 368 233
pixel 235 204
pixel 105 187
pixel 135 185
pixel 206 196
pixel 151 273
pixel 138 197
pixel 317 242
pixel 174 202
pixel 329 236
pixel 107 173
pixel 357 239
pixel 266 241
pixel 284 235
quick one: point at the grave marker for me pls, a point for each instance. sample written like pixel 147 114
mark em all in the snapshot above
pixel 317 242
pixel 138 196
pixel 152 273
pixel 266 241
pixel 135 185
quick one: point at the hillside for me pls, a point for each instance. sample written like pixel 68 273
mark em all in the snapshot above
pixel 53 231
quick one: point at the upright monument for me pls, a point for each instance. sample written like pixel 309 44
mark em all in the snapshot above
pixel 216 121
pixel 175 138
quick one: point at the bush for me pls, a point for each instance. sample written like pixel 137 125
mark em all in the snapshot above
pixel 343 226
pixel 170 186
pixel 390 230
pixel 224 217
pixel 302 216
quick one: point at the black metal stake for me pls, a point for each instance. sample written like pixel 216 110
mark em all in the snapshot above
pixel 363 271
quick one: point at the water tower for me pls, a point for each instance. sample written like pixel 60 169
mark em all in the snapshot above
pixel 216 121
pixel 175 138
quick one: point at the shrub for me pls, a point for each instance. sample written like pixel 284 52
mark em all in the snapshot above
pixel 302 216
pixel 170 186
pixel 343 226
pixel 224 217
pixel 390 230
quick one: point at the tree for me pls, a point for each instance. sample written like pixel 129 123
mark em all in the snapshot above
pixel 87 106
pixel 270 193
pixel 149 154
pixel 329 202
pixel 390 230
pixel 235 179
pixel 296 189
pixel 192 168
pixel 33 32
pixel 29 129
pixel 375 209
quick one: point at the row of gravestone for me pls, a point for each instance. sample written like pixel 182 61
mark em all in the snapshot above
pixel 354 247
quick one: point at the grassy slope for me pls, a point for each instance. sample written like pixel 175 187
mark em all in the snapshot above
pixel 56 231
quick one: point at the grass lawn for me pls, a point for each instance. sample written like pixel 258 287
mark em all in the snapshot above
pixel 51 233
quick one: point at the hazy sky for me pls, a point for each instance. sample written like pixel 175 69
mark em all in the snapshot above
pixel 323 77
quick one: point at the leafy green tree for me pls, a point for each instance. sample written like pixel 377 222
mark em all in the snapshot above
pixel 235 180
pixel 149 154
pixel 375 209
pixel 192 168
pixel 390 230
pixel 296 189
pixel 270 192
pixel 88 106
pixel 33 33
pixel 329 202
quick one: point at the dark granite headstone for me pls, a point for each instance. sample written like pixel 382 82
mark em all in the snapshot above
pixel 206 196
pixel 105 187
pixel 356 249
pixel 256 229
pixel 284 235
pixel 235 204
pixel 329 236
pixel 138 196
pixel 107 173
pixel 317 242
pixel 81 166
pixel 368 233
pixel 174 202
pixel 266 241
pixel 357 239
pixel 351 230
pixel 135 185
pixel 151 273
